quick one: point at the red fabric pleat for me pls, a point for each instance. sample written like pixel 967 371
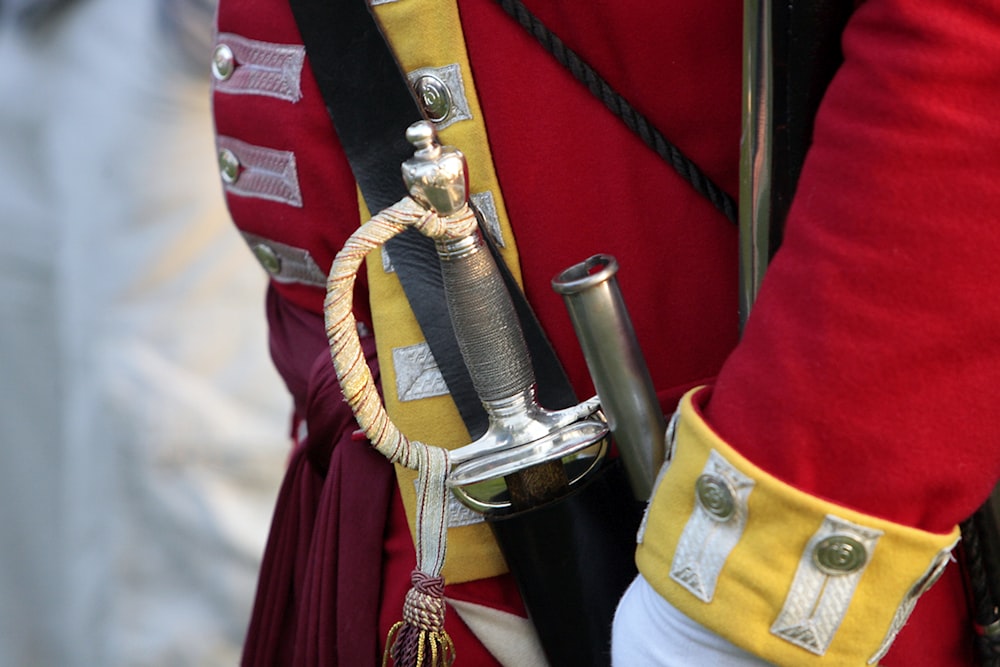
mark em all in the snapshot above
pixel 318 594
pixel 280 584
pixel 338 560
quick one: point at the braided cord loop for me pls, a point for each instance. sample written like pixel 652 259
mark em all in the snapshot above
pixel 419 640
pixel 341 327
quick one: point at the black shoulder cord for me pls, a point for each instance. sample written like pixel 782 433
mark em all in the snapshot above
pixel 621 108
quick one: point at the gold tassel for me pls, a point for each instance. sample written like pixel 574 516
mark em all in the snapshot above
pixel 420 640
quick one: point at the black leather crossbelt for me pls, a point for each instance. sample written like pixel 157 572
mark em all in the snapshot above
pixel 371 105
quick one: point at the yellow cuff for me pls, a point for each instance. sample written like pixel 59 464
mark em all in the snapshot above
pixel 789 577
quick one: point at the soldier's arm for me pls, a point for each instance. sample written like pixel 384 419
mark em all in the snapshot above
pixel 816 487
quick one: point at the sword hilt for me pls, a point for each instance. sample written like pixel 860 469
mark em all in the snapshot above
pixel 492 344
pixel 482 313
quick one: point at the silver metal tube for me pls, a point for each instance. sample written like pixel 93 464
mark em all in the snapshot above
pixel 755 152
pixel 617 367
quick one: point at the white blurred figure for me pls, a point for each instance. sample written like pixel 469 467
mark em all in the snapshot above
pixel 142 427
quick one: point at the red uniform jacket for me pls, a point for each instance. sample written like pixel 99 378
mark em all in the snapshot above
pixel 866 373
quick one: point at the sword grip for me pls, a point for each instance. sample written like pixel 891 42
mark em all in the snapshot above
pixel 494 349
pixel 486 325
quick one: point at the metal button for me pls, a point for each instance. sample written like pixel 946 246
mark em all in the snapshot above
pixel 840 554
pixel 229 166
pixel 716 497
pixel 434 96
pixel 223 62
pixel 268 258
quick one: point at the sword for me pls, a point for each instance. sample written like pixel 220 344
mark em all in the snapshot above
pixel 560 509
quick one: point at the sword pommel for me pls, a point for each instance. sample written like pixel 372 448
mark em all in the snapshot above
pixel 436 176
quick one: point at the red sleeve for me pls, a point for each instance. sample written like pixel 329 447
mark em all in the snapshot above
pixel 869 368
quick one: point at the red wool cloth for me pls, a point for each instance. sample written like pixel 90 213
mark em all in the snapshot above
pixel 866 374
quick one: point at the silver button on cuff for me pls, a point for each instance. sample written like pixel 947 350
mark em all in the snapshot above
pixel 223 62
pixel 434 96
pixel 229 166
pixel 268 258
pixel 716 497
pixel 840 554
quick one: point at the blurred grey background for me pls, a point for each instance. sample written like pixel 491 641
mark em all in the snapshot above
pixel 142 428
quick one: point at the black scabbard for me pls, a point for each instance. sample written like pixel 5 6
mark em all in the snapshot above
pixel 575 557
